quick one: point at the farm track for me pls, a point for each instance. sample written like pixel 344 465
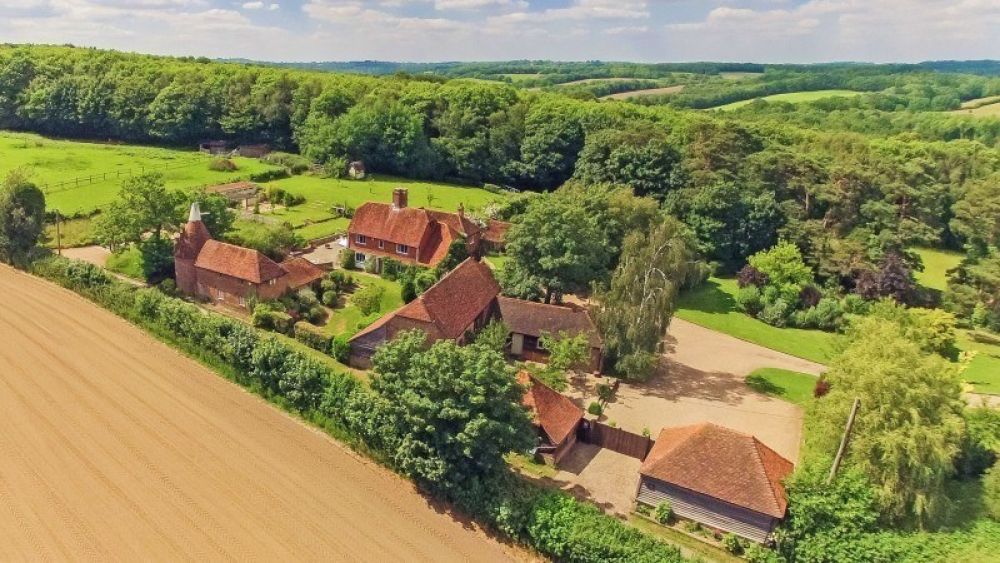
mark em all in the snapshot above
pixel 116 447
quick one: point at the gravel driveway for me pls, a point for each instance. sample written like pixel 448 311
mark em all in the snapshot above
pixel 701 379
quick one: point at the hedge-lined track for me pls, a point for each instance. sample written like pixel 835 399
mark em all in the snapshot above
pixel 116 447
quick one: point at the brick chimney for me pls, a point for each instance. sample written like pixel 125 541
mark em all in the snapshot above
pixel 400 197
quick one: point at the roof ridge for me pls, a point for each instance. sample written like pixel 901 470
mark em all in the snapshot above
pixel 757 444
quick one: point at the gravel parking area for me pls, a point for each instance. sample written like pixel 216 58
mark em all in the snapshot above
pixel 601 476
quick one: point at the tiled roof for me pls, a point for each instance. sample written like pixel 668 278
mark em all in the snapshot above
pixel 191 240
pixel 553 412
pixel 459 223
pixel 383 221
pixel 238 262
pixel 454 302
pixel 496 231
pixel 721 463
pixel 534 319
pixel 301 272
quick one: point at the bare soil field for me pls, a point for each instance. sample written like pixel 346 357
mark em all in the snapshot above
pixel 116 447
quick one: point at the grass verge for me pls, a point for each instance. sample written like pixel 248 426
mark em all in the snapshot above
pixel 783 384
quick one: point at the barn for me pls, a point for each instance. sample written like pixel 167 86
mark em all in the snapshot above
pixel 720 478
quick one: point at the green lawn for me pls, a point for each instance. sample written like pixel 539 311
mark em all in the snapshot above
pixel 788 385
pixel 792 97
pixel 50 161
pixel 348 319
pixel 711 305
pixel 936 266
pixel 497 261
pixel 127 262
pixel 314 219
pixel 691 547
pixel 984 371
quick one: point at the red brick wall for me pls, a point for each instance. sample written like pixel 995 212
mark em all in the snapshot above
pixel 187 277
pixel 210 284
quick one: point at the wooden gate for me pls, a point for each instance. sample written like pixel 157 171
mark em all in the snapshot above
pixel 615 439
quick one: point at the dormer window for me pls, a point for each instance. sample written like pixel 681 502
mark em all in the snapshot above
pixel 402 249
pixel 361 239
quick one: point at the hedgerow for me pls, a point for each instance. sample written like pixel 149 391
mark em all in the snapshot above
pixel 552 522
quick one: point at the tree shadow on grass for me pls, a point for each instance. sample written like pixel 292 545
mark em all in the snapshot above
pixel 708 297
pixel 765 386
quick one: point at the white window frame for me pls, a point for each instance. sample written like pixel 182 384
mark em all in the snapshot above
pixel 243 301
pixel 402 249
pixel 361 239
pixel 359 257
pixel 272 281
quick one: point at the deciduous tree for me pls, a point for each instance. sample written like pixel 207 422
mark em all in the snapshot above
pixel 22 217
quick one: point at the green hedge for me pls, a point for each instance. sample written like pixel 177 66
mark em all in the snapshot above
pixel 552 522
pixel 312 337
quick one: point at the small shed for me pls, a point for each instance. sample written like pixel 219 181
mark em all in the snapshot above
pixel 236 192
pixel 253 151
pixel 723 479
pixel 554 415
pixel 356 170
pixel 528 321
pixel 214 147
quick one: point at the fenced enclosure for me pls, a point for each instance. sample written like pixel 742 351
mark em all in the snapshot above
pixel 615 439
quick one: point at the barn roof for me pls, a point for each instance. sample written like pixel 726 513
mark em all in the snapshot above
pixel 553 412
pixel 301 272
pixel 535 319
pixel 721 463
pixel 454 302
pixel 238 262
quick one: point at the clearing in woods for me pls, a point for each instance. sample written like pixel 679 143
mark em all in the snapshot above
pixel 56 165
pixel 647 92
pixel 792 98
pixel 116 447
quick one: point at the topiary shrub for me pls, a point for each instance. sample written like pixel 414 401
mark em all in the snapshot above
pixel 809 296
pixel 595 408
pixel 664 512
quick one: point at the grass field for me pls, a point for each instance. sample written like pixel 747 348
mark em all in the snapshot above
pixel 792 98
pixel 711 305
pixel 739 75
pixel 522 77
pixel 784 384
pixel 314 218
pixel 73 232
pixel 51 162
pixel 985 110
pixel 936 266
pixel 646 92
pixel 984 371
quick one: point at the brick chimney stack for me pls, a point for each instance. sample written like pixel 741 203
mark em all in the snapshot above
pixel 400 197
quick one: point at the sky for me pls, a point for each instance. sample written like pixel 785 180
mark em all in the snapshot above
pixel 775 31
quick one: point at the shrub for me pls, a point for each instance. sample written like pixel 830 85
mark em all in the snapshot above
pixel 330 298
pixel 775 314
pixel 269 175
pixel 854 304
pixel 595 408
pixel 168 286
pixel 295 164
pixel 643 509
pixel 312 337
pixel 347 259
pixel 750 276
pixel 605 392
pixel 821 388
pixel 733 543
pixel 809 296
pixel 748 300
pixel 368 299
pixel 222 165
pixel 370 266
pixel 340 349
pixel 337 280
pixel 756 553
pixel 269 317
pixel 335 167
pixel 664 512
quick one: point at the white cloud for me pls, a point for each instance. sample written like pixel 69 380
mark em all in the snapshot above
pixel 253 5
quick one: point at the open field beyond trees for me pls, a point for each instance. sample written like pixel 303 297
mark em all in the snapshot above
pixel 170 461
pixel 792 98
pixel 55 165
pixel 315 218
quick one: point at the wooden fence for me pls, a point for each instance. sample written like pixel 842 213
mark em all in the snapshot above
pixel 615 439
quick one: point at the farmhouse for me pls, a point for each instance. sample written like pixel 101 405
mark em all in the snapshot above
pixel 556 418
pixel 230 274
pixel 460 303
pixel 528 321
pixel 409 235
pixel 726 480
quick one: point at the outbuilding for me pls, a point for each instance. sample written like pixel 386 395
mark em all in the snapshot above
pixel 723 479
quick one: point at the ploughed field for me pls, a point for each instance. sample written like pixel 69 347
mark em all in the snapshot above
pixel 114 446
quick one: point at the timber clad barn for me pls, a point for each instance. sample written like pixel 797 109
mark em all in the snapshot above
pixel 554 415
pixel 411 235
pixel 229 274
pixel 726 480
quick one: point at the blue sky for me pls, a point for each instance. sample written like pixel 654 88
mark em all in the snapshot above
pixel 436 30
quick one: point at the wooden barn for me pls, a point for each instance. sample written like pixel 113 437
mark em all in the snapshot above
pixel 721 478
pixel 556 418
